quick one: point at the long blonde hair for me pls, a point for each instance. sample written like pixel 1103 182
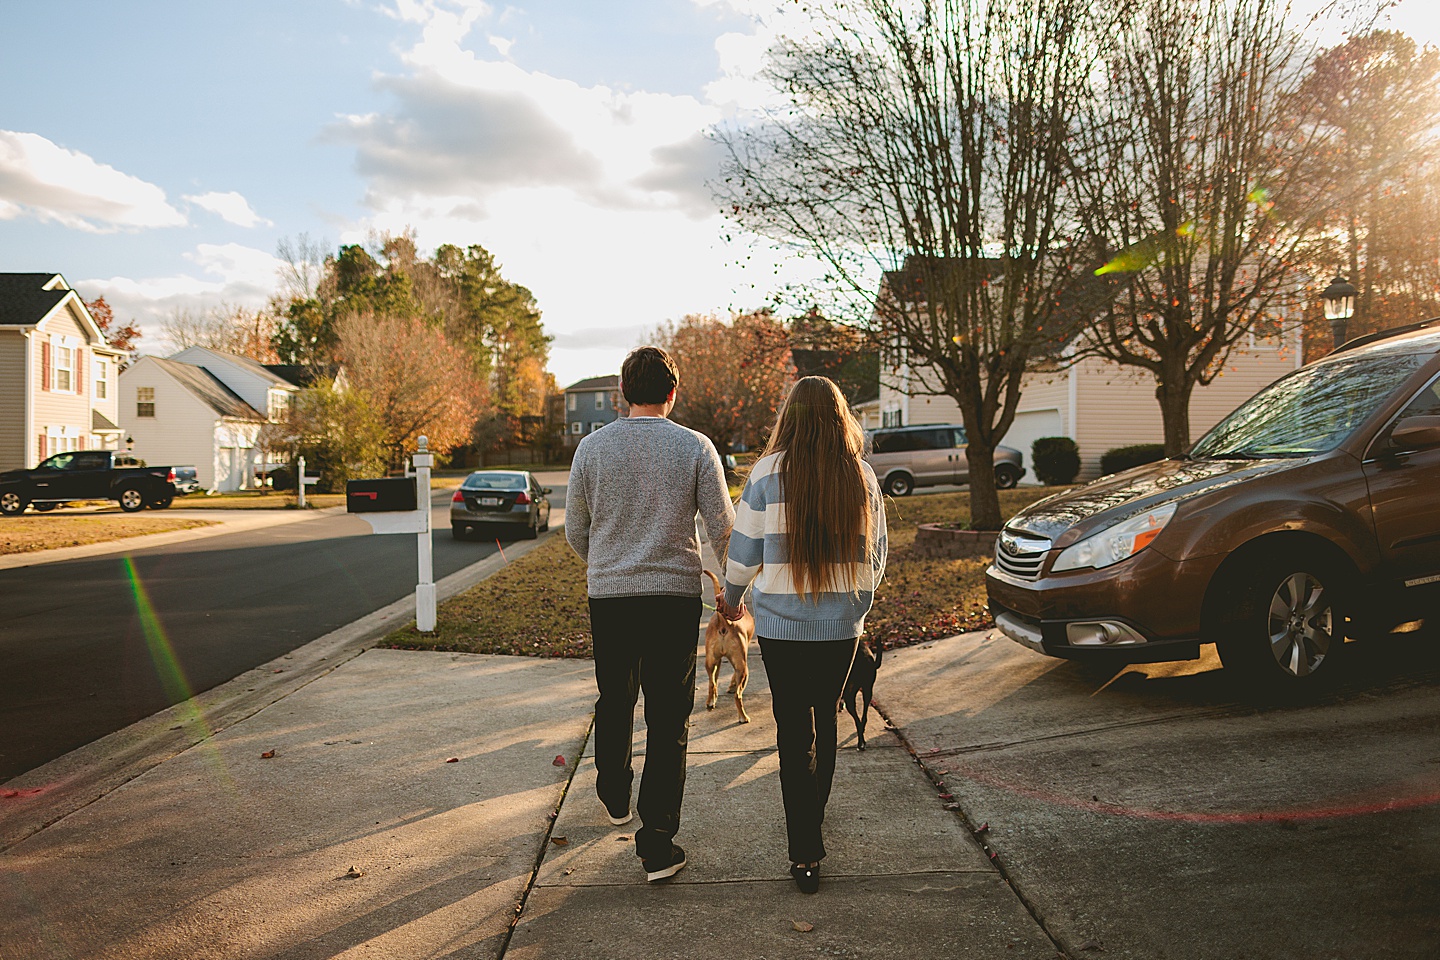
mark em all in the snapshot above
pixel 827 504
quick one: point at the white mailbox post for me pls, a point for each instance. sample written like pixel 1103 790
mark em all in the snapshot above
pixel 402 505
pixel 301 482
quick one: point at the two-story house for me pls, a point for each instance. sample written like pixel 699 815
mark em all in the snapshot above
pixel 590 404
pixel 204 407
pixel 57 375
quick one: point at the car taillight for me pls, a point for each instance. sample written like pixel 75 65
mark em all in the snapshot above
pixel 458 498
pixel 170 476
pixel 522 498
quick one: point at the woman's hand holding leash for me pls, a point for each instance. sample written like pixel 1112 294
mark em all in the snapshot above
pixel 729 612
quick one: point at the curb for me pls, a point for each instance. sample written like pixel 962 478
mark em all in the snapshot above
pixel 49 793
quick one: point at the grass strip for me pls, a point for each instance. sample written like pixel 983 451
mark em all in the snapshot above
pixel 537 605
pixel 27 534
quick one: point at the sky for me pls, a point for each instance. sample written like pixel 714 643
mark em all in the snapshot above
pixel 155 152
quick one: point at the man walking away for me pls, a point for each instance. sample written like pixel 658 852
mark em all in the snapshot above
pixel 635 488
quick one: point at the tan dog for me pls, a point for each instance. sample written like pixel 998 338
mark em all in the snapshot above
pixel 729 640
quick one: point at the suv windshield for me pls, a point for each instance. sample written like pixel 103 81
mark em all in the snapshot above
pixel 1311 411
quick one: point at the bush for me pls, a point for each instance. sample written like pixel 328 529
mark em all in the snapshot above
pixel 1123 458
pixel 282 478
pixel 1056 460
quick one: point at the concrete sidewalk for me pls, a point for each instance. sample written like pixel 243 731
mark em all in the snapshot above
pixel 412 804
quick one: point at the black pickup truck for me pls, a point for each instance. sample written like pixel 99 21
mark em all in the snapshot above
pixel 93 475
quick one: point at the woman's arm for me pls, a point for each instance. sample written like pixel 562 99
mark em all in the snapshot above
pixel 746 554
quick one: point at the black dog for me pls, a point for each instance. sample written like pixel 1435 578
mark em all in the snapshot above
pixel 862 680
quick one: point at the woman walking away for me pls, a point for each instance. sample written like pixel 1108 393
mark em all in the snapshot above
pixel 810 534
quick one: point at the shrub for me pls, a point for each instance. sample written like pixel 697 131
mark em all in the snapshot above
pixel 1123 458
pixel 1056 460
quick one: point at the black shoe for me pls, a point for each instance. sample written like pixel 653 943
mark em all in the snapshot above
pixel 806 878
pixel 666 866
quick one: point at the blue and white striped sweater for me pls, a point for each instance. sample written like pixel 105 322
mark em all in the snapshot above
pixel 759 553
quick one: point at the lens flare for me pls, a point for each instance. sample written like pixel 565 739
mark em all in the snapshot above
pixel 1147 252
pixel 170 673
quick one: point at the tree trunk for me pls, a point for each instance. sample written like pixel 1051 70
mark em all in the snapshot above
pixel 984 498
pixel 1174 397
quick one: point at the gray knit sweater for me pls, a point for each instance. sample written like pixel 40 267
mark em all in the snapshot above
pixel 635 487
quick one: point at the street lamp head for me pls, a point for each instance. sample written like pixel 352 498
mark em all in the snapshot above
pixel 1339 299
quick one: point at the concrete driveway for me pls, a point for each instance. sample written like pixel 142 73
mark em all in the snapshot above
pixel 1149 813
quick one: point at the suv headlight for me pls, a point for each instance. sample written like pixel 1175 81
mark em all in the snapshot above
pixel 1115 543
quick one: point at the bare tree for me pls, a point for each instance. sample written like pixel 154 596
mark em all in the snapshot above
pixel 302 266
pixel 227 327
pixel 937 134
pixel 1195 158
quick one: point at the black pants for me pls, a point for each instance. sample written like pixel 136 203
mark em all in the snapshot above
pixel 644 643
pixel 807 679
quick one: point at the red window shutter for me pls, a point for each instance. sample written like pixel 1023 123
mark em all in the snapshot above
pixel 82 443
pixel 80 371
pixel 43 452
pixel 45 365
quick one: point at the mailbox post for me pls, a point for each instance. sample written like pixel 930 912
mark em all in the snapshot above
pixel 425 588
pixel 402 505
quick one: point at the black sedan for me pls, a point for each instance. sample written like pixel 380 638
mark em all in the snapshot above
pixel 490 499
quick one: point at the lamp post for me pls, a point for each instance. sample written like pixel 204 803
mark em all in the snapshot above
pixel 1339 300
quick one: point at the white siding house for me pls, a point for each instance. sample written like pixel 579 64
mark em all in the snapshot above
pixel 180 413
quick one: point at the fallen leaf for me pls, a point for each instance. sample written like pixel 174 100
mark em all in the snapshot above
pixel 453 760
pixel 1092 945
pixel 982 828
pixel 559 761
pixel 570 871
pixel 623 838
pixel 267 755
pixel 560 841
pixel 354 873
pixel 802 926
pixel 947 796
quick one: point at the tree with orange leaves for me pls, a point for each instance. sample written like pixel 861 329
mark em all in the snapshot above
pixel 733 375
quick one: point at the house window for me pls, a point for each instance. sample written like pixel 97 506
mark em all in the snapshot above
pixel 279 405
pixel 573 401
pixel 144 401
pixel 576 428
pixel 890 418
pixel 599 401
pixel 102 379
pixel 65 369
pixel 596 426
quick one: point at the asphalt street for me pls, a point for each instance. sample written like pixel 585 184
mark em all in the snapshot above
pixel 91 646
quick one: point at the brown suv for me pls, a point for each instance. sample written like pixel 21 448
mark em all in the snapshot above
pixel 1310 514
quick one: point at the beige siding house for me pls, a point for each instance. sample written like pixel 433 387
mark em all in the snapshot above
pixel 58 378
pixel 1097 403
pixel 1101 405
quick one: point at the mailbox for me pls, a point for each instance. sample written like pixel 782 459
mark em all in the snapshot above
pixel 389 495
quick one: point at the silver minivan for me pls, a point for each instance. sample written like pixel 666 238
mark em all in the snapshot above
pixel 930 455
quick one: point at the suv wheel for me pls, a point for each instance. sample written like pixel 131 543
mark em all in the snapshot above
pixel 1006 476
pixel 1284 630
pixel 131 500
pixel 162 503
pixel 46 507
pixel 899 484
pixel 11 504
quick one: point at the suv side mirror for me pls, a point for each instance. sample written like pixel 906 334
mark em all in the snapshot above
pixel 1412 433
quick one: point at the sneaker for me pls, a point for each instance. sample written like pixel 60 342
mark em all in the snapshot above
pixel 806 878
pixel 667 867
pixel 625 816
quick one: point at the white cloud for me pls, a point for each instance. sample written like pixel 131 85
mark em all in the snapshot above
pixel 43 180
pixel 501 44
pixel 230 207
pixel 228 273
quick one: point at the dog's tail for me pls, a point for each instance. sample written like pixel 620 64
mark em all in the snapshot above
pixel 715 580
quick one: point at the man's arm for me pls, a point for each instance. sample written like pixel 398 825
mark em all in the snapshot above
pixel 712 498
pixel 577 510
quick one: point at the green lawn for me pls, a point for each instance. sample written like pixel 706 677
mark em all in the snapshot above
pixel 537 607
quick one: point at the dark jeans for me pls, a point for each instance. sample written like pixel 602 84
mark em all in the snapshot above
pixel 807 678
pixel 644 644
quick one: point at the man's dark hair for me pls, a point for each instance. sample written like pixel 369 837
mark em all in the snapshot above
pixel 647 376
